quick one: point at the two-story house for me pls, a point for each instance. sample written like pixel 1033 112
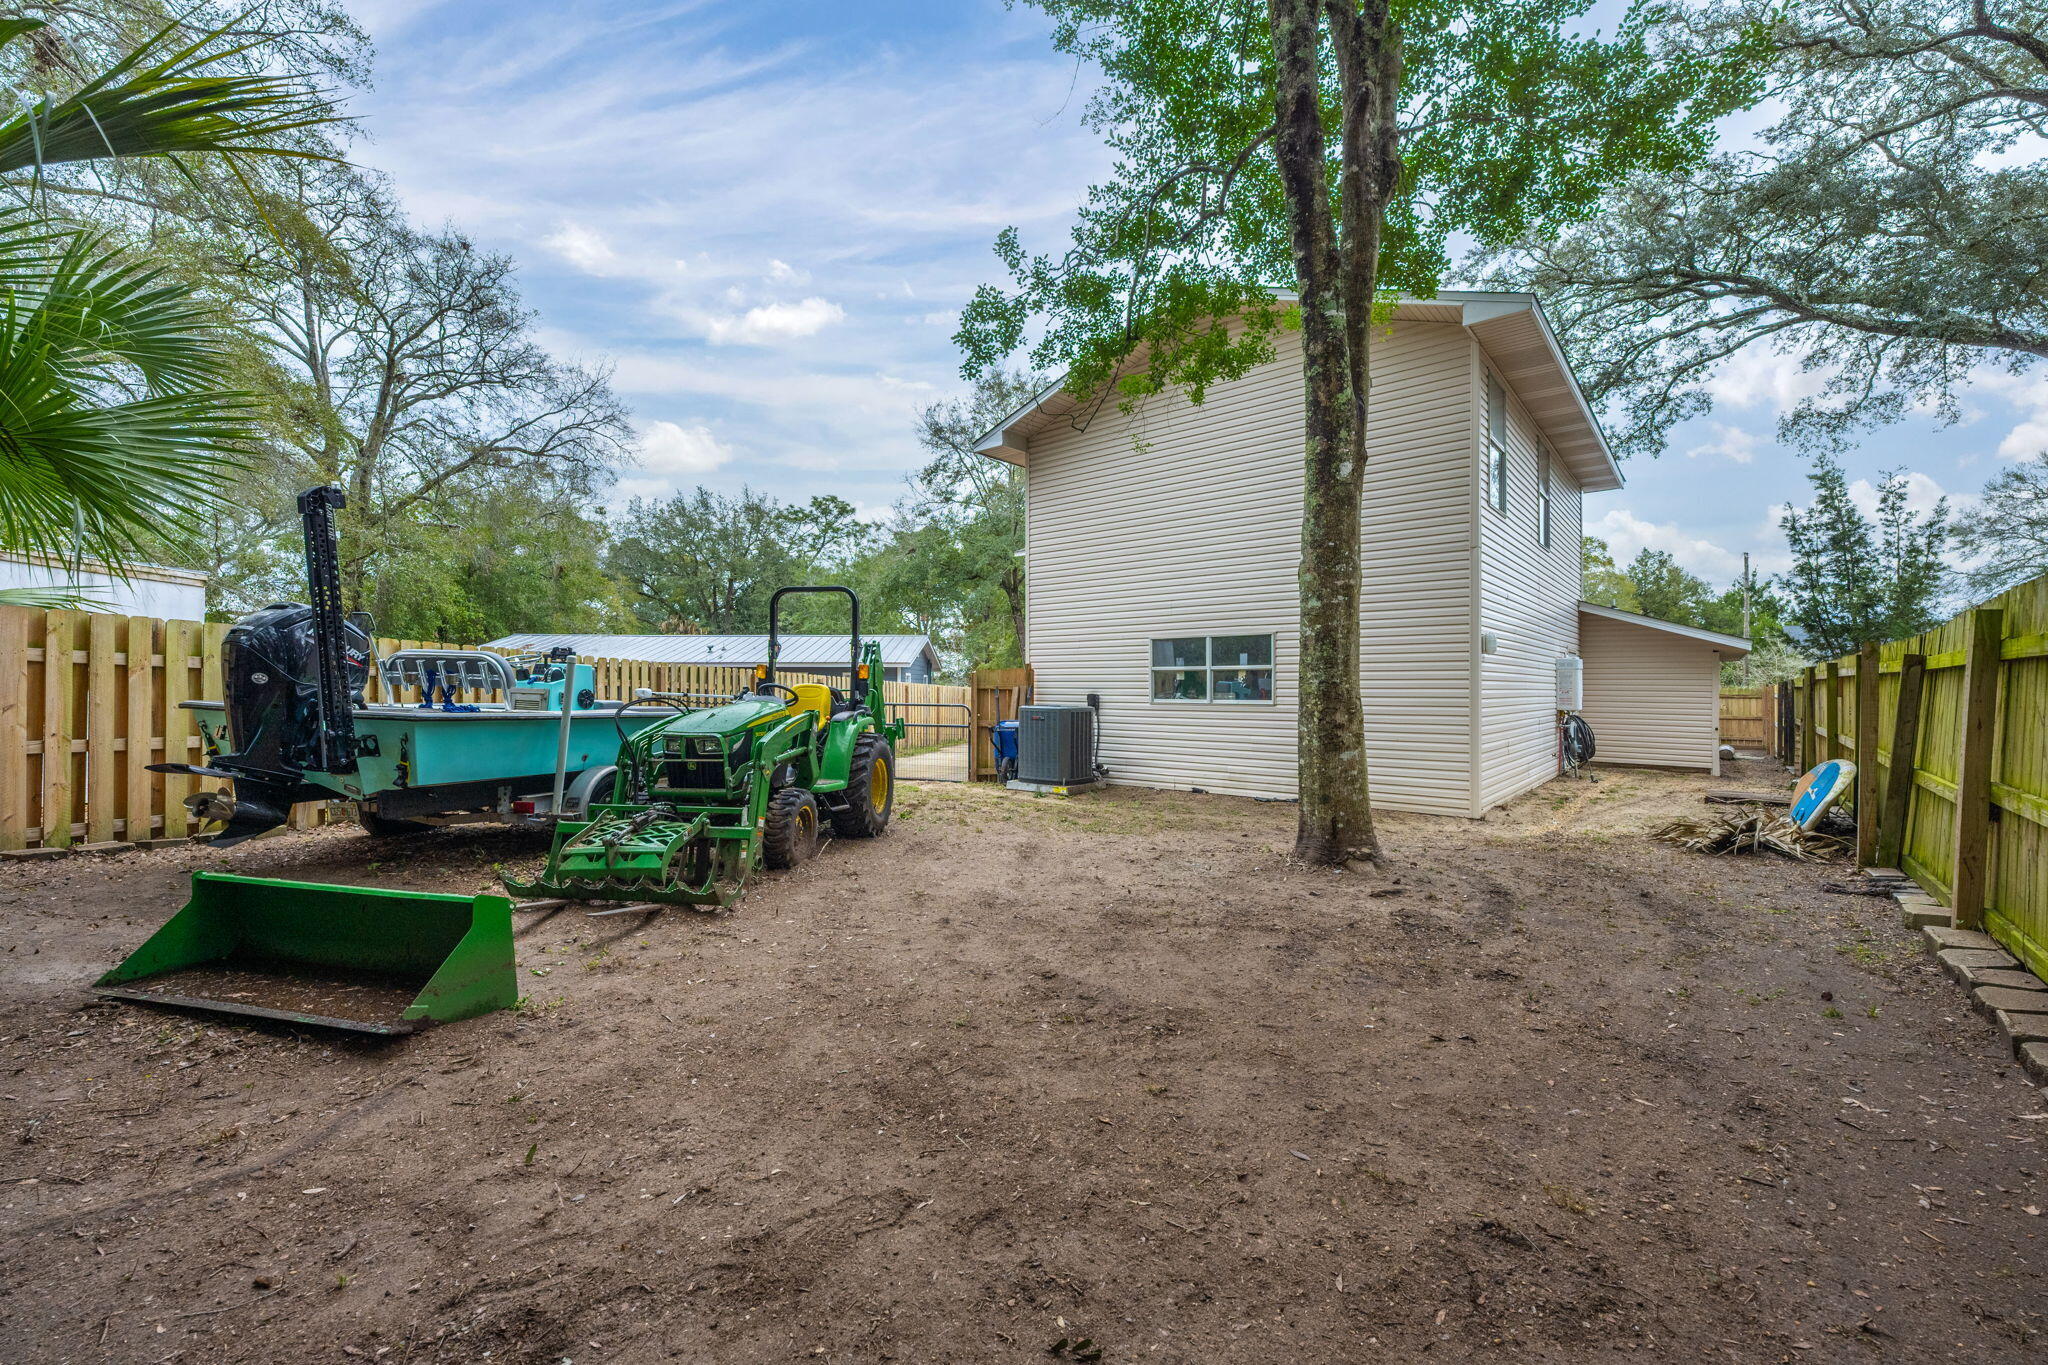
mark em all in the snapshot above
pixel 1163 547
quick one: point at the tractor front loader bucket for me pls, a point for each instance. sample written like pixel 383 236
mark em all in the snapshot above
pixel 348 957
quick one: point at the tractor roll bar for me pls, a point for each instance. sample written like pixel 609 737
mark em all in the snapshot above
pixel 854 682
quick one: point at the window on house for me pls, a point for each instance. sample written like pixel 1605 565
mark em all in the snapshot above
pixel 1496 444
pixel 1213 668
pixel 1543 496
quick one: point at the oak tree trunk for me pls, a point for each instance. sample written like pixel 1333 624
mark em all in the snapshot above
pixel 1336 277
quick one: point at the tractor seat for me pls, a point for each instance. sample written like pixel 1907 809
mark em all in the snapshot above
pixel 813 697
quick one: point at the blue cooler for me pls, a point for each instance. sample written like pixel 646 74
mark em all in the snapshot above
pixel 1004 738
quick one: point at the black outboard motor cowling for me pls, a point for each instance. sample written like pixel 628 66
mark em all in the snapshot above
pixel 270 661
pixel 270 664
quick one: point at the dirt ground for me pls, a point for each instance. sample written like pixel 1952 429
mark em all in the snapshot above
pixel 1033 1079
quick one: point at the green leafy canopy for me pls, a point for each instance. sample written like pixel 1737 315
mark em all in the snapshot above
pixel 1512 121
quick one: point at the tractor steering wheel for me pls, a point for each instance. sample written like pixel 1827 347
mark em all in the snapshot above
pixel 769 688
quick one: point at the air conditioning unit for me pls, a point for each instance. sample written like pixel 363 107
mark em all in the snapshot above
pixel 1055 745
pixel 1571 683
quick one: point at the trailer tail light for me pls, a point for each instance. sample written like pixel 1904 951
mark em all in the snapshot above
pixel 525 807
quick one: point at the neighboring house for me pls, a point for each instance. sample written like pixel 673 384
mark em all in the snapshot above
pixel 169 594
pixel 1163 546
pixel 905 658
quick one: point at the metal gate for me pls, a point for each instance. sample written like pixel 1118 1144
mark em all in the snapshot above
pixel 934 751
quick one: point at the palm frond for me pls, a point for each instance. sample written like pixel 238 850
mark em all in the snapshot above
pixel 103 313
pixel 157 103
pixel 52 599
pixel 115 424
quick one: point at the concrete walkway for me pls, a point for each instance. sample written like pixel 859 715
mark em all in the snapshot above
pixel 935 765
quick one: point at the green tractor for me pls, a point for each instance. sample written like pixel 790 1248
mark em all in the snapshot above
pixel 703 799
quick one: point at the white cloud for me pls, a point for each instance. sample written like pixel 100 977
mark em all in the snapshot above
pixel 1735 443
pixel 665 448
pixel 773 322
pixel 782 272
pixel 2029 393
pixel 1758 376
pixel 1922 493
pixel 585 248
pixel 1627 534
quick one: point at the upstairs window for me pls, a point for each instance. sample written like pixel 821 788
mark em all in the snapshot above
pixel 1543 496
pixel 1213 668
pixel 1496 453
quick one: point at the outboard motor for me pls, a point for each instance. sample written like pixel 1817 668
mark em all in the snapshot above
pixel 292 673
pixel 270 662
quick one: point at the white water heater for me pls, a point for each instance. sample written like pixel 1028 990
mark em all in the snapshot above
pixel 1571 683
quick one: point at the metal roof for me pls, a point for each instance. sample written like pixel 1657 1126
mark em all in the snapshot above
pixel 1510 327
pixel 741 651
pixel 1732 644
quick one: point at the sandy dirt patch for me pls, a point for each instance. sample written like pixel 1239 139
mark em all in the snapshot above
pixel 1027 1072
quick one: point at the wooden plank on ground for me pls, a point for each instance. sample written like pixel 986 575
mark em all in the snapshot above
pixel 1973 777
pixel 1898 791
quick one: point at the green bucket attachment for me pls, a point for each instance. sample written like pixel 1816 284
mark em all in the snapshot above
pixel 349 957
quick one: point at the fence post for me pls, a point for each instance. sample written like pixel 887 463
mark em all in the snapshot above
pixel 1866 755
pixel 1831 730
pixel 1809 742
pixel 1898 789
pixel 1973 775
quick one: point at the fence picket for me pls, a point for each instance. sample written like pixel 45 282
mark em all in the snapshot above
pixel 102 724
pixel 59 686
pixel 139 806
pixel 15 812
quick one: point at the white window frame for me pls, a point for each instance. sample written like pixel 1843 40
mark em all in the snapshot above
pixel 1543 496
pixel 1495 445
pixel 1208 668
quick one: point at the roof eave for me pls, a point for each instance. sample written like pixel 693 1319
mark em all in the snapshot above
pixel 1733 645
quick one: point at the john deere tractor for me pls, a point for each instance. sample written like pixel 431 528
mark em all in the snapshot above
pixel 702 800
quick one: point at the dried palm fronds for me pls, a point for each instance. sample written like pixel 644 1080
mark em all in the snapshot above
pixel 1751 829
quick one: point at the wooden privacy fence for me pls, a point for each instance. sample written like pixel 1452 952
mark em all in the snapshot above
pixel 998 692
pixel 89 700
pixel 1949 734
pixel 1747 716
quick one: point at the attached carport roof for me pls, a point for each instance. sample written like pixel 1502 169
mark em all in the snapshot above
pixel 1734 646
pixel 1510 329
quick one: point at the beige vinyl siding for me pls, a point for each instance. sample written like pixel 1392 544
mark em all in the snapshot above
pixel 1651 697
pixel 1183 520
pixel 1529 600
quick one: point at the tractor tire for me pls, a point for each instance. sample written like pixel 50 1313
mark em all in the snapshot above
pixel 870 789
pixel 792 832
pixel 377 827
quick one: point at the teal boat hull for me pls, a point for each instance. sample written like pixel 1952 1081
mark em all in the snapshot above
pixel 407 748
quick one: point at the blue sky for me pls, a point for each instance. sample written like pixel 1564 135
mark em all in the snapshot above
pixel 766 216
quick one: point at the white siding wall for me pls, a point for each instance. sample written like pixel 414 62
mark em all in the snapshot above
pixel 173 595
pixel 1529 599
pixel 1178 520
pixel 1651 697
